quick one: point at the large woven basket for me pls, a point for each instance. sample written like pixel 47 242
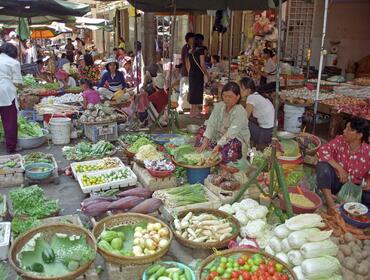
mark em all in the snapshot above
pixel 125 148
pixel 129 219
pixel 195 166
pixel 247 252
pixel 48 231
pixel 315 139
pixel 207 245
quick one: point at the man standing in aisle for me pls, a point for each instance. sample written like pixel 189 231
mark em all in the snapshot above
pixel 184 82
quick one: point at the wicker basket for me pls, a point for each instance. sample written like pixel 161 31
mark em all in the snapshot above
pixel 195 166
pixel 125 150
pixel 307 151
pixel 129 219
pixel 207 245
pixel 49 230
pixel 248 252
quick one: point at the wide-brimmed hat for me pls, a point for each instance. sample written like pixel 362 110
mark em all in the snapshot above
pixel 81 57
pixel 159 81
pixel 111 60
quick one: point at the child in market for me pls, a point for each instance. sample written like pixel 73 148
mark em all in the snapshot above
pixel 89 94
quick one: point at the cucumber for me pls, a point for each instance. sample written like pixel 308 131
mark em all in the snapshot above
pixel 159 272
pixel 164 278
pixel 153 269
pixel 176 276
pixel 188 274
pixel 173 269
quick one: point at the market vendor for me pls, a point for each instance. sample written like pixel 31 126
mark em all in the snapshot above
pixel 89 94
pixel 346 155
pixel 260 113
pixel 10 75
pixel 226 131
pixel 112 80
pixel 268 75
pixel 64 79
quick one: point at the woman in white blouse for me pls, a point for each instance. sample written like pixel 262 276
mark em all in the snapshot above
pixel 10 75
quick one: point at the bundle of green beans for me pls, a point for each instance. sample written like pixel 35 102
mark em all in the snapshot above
pixel 180 196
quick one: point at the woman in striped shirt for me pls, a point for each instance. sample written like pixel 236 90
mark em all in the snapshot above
pixel 112 80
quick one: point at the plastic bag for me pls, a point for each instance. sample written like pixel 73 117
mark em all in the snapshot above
pixel 349 192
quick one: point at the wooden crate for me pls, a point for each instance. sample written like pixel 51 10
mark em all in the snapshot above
pixel 3 209
pixel 14 176
pixel 152 183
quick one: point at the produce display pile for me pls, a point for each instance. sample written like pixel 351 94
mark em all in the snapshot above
pixel 304 95
pixel 203 227
pixel 137 200
pixel 85 150
pixel 57 257
pixel 140 239
pixel 148 152
pixel 38 157
pixel 105 163
pixel 159 165
pixel 168 271
pixel 98 113
pixel 112 176
pixel 187 154
pixel 300 243
pixel 240 266
pixel 63 99
pixel 142 141
pixel 10 163
pixel 180 196
pixel 131 138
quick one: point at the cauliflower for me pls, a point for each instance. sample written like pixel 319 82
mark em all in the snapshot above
pixel 227 208
pixel 255 228
pixel 258 212
pixel 241 217
pixel 248 203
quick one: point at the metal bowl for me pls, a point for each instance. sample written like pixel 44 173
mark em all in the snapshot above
pixel 30 143
pixel 192 128
pixel 285 135
pixel 46 171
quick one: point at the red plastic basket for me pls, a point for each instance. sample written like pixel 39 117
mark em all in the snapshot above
pixel 160 174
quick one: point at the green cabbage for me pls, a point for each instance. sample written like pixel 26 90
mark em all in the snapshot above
pixel 28 129
pixel 290 147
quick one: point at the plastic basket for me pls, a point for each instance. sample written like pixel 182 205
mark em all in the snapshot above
pixel 97 132
pixel 92 162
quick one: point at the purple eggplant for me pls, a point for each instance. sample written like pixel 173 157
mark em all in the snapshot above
pixel 125 203
pixel 96 209
pixel 140 192
pixel 147 206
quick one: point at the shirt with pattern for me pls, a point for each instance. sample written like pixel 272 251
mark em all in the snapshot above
pixel 91 73
pixel 356 163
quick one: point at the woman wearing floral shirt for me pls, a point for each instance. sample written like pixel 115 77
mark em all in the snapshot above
pixel 88 70
pixel 347 155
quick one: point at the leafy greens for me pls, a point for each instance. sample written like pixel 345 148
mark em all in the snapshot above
pixel 85 150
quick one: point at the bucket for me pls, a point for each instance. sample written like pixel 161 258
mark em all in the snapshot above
pixel 197 175
pixel 293 118
pixel 60 129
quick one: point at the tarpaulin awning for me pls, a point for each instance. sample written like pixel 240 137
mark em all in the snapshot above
pixel 32 8
pixel 92 21
pixel 202 5
pixel 13 20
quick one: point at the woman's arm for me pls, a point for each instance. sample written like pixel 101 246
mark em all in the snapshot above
pixel 187 64
pixel 102 81
pixel 202 59
pixel 249 109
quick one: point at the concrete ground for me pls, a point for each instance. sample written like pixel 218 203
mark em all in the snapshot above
pixel 67 191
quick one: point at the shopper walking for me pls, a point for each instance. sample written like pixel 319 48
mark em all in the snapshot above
pixel 10 76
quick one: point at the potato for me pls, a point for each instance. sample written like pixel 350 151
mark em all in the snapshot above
pixel 335 240
pixel 348 237
pixel 346 249
pixel 358 256
pixel 367 242
pixel 340 256
pixel 362 269
pixel 359 243
pixel 359 277
pixel 365 254
pixel 356 248
pixel 350 263
pixel 347 274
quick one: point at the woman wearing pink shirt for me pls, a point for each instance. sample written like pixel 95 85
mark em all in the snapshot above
pixel 347 155
pixel 89 94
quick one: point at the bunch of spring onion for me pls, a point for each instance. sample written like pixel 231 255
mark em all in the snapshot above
pixel 180 196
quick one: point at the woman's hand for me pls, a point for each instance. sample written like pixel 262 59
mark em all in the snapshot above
pixel 367 187
pixel 343 175
pixel 204 146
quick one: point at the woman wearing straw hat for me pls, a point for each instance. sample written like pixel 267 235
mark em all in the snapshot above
pixel 112 80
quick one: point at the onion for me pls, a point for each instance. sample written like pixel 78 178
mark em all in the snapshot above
pixel 163 243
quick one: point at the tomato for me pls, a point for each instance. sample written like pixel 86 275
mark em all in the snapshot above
pixel 212 275
pixel 241 261
pixel 234 274
pixel 246 275
pixel 271 270
pixel 284 277
pixel 263 267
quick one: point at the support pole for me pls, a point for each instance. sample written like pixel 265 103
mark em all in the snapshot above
pixel 231 25
pixel 322 53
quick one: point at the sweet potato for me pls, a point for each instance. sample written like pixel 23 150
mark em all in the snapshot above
pixel 125 203
pixel 148 206
pixel 96 209
pixel 140 192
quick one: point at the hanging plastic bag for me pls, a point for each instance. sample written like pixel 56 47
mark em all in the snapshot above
pixel 350 192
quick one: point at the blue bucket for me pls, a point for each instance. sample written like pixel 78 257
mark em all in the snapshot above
pixel 197 175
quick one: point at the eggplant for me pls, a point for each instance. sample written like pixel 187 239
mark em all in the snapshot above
pixel 125 203
pixel 147 206
pixel 97 208
pixel 140 192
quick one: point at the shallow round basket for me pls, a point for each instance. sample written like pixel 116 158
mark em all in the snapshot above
pixel 49 231
pixel 247 252
pixel 39 175
pixel 194 166
pixel 352 221
pixel 160 173
pixel 286 135
pixel 129 219
pixel 176 264
pixel 298 209
pixel 315 139
pixel 30 143
pixel 162 139
pixel 207 245
pixel 125 149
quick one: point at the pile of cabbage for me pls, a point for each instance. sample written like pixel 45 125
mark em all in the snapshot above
pixel 301 244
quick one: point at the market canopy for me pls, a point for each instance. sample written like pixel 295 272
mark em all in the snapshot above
pixel 32 8
pixel 202 5
pixel 12 20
